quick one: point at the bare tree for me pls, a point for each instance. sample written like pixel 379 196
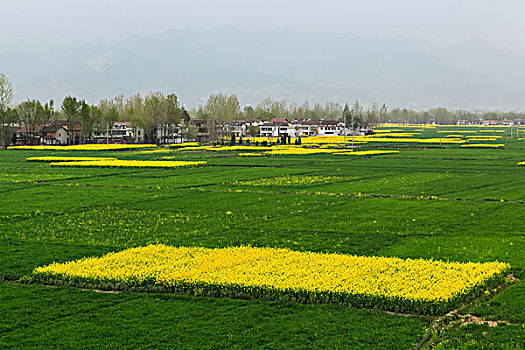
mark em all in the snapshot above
pixel 357 115
pixel 7 115
pixel 223 109
pixel 32 113
pixel 71 108
pixel 154 115
pixel 382 113
pixel 6 92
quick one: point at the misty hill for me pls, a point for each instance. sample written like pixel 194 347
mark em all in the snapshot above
pixel 284 64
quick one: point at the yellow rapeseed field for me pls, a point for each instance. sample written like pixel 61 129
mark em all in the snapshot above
pixel 236 148
pixel 336 140
pixel 474 137
pixel 251 270
pixel 66 159
pixel 185 144
pixel 484 145
pixel 458 131
pixel 367 153
pixel 382 138
pixel 93 147
pixel 155 151
pixel 131 163
pixel 394 134
pixel 300 150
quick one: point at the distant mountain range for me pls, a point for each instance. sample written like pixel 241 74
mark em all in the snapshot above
pixel 283 64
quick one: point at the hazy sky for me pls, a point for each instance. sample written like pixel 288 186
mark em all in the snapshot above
pixel 442 22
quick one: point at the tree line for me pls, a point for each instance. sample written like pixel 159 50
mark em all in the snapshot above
pixel 159 114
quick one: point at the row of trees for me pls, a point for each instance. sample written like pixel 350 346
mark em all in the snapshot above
pixel 155 113
pixel 443 116
pixel 226 108
pixel 35 117
pixel 270 108
pixel 158 114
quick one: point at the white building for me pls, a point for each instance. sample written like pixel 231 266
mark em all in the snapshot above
pixel 120 131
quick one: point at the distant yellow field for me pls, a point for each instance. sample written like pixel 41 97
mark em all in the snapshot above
pixel 90 147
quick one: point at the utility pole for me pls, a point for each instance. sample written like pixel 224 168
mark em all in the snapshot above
pixel 353 130
pixel 107 99
pixel 344 132
pixel 344 135
pixel 346 110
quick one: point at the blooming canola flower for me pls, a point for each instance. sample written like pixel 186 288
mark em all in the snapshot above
pixel 484 145
pixel 285 271
pixel 88 147
pixel 67 159
pixel 131 163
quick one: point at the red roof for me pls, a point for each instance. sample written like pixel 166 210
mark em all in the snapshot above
pixel 24 129
pixel 279 120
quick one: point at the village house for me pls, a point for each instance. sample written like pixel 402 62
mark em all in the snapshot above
pixel 241 128
pixel 26 136
pixel 277 127
pixel 304 127
pixel 330 128
pixel 120 132
pixel 54 133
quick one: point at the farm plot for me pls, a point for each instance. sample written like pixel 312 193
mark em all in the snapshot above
pixel 323 203
pixel 391 283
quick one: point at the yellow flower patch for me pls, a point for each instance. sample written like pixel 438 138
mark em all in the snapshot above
pixel 379 131
pixel 366 153
pixel 299 150
pixel 459 131
pixel 308 276
pixel 66 159
pixel 394 134
pixel 339 140
pixel 484 145
pixel 415 140
pixel 154 151
pixel 481 139
pixel 336 140
pixel 396 125
pixel 131 163
pixel 236 148
pixel 185 144
pixel 91 147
